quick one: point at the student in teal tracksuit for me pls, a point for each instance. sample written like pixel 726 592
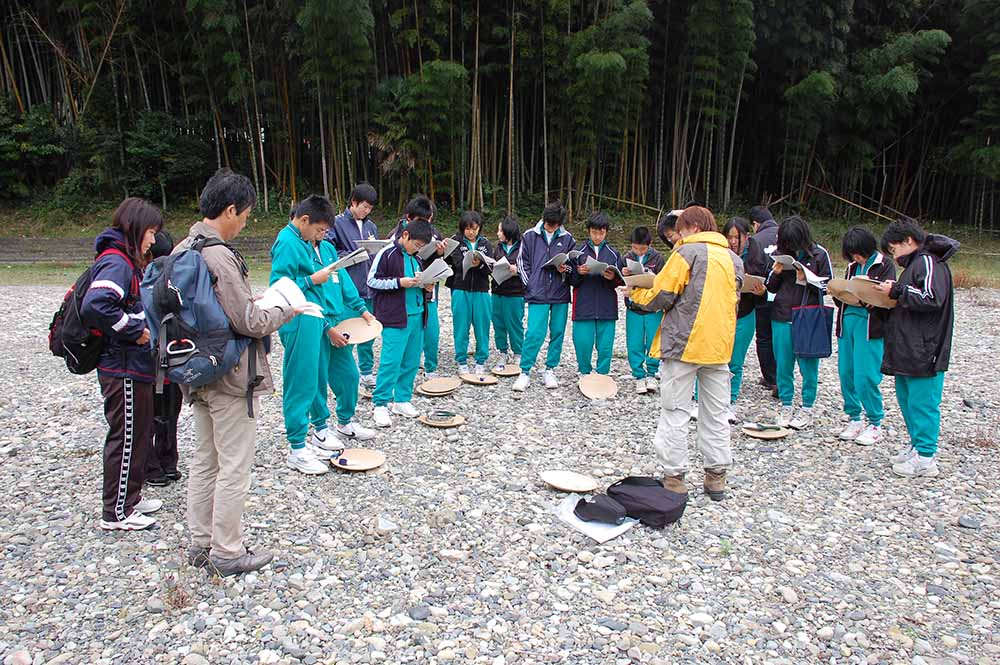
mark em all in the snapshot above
pixel 400 307
pixel 546 292
pixel 421 207
pixel 595 301
pixel 315 354
pixel 790 291
pixel 737 232
pixel 918 338
pixel 470 296
pixel 860 331
pixel 640 325
pixel 508 297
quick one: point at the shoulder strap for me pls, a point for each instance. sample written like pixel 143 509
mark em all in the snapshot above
pixel 134 284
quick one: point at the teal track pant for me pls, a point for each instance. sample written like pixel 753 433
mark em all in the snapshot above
pixel 366 351
pixel 859 363
pixel 337 370
pixel 508 323
pixel 541 317
pixel 640 329
pixel 784 355
pixel 745 328
pixel 920 401
pixel 587 335
pixel 400 361
pixel 431 338
pixel 470 308
pixel 302 338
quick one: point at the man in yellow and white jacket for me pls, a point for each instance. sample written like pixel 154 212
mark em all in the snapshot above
pixel 697 290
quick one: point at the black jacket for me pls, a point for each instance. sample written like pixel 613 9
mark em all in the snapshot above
pixel 654 263
pixel 788 294
pixel 918 332
pixel 759 250
pixel 512 287
pixel 881 269
pixel 477 279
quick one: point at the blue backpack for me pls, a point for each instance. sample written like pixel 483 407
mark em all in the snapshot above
pixel 193 342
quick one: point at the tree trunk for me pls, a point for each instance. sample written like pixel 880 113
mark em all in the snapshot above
pixel 256 108
pixel 510 122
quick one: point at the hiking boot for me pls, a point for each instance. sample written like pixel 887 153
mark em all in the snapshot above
pixel 715 484
pixel 198 556
pixel 241 564
pixel 675 484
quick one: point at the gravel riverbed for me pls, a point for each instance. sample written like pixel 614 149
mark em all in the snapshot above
pixel 820 554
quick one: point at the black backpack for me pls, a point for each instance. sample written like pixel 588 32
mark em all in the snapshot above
pixel 646 500
pixel 70 338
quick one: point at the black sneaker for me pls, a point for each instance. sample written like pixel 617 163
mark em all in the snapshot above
pixel 158 481
pixel 174 475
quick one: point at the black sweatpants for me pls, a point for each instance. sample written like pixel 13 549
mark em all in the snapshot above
pixel 128 407
pixel 166 409
pixel 765 352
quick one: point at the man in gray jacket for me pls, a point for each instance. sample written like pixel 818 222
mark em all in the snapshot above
pixel 225 428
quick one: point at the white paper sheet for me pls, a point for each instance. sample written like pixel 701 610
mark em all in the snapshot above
pixel 467 261
pixel 599 531
pixel 811 277
pixel 749 281
pixel 562 258
pixel 435 272
pixel 635 267
pixel 285 293
pixel 428 250
pixel 373 245
pixel 360 255
pixel 502 271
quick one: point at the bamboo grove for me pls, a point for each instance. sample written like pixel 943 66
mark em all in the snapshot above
pixel 893 104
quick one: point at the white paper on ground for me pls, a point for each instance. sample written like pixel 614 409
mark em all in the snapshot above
pixel 502 271
pixel 435 272
pixel 599 531
pixel 430 248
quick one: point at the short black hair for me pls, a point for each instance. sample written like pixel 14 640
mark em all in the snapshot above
pixel 318 208
pixel 225 189
pixel 419 207
pixel 900 230
pixel 668 222
pixel 511 229
pixel 598 220
pixel 794 235
pixel 737 223
pixel 469 218
pixel 554 213
pixel 858 240
pixel 164 244
pixel 641 236
pixel 760 214
pixel 364 193
pixel 419 229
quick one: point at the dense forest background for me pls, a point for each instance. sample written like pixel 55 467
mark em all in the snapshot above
pixel 893 105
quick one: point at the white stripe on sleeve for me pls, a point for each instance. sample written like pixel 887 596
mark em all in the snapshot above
pixel 120 325
pixel 107 284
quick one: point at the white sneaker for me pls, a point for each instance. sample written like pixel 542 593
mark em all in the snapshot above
pixel 323 454
pixel 325 440
pixel 731 415
pixel 304 460
pixel 522 382
pixel 785 416
pixel 500 366
pixel 355 431
pixel 368 380
pixel 382 417
pixel 479 370
pixel 549 379
pixel 802 419
pixel 640 387
pixel 905 454
pixel 463 369
pixel 430 375
pixel 870 436
pixel 134 522
pixel 147 506
pixel 652 384
pixel 405 409
pixel 916 466
pixel 693 410
pixel 852 431
pixel 515 360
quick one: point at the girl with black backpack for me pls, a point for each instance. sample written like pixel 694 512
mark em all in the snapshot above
pixel 125 369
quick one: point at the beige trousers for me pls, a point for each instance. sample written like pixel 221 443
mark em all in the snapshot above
pixel 219 475
pixel 671 438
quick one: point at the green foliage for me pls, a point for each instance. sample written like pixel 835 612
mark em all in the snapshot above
pixel 30 149
pixel 161 155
